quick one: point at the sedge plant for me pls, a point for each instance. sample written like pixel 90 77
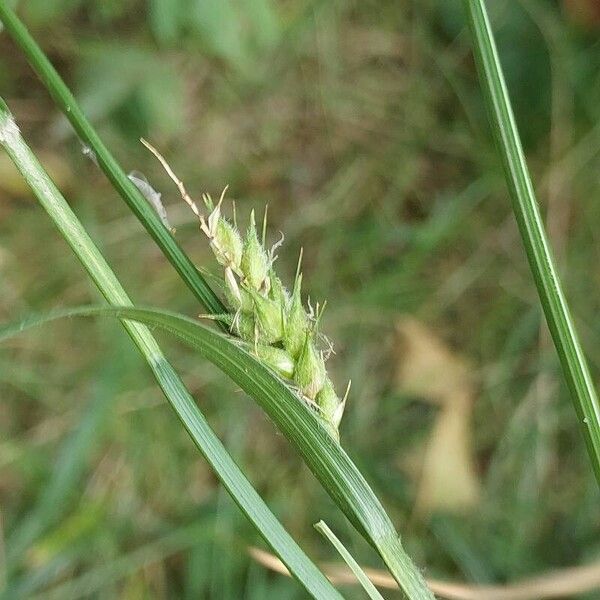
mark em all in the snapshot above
pixel 303 406
pixel 298 422
pixel 274 348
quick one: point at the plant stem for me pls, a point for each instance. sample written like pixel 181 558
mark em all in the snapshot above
pixel 529 220
pixel 178 396
pixel 127 190
pixel 397 560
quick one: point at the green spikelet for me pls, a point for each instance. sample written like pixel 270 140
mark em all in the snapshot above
pixel 269 318
pixel 310 369
pixel 277 359
pixel 297 323
pixel 327 400
pixel 330 406
pixel 225 239
pixel 278 293
pixel 227 244
pixel 255 262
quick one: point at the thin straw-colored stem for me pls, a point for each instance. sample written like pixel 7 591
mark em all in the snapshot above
pixel 560 583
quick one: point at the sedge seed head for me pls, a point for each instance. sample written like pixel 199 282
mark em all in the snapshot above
pixel 310 371
pixel 268 316
pixel 297 323
pixel 255 262
pixel 276 358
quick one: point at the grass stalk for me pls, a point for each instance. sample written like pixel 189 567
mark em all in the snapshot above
pixel 531 227
pixel 178 396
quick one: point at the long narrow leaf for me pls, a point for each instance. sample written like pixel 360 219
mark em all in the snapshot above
pixel 325 457
pixel 132 196
pixel 225 468
pixel 531 226
pixel 366 583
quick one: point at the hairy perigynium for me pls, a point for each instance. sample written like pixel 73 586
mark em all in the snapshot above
pixel 270 321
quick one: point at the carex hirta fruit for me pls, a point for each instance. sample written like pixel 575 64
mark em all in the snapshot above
pixel 271 322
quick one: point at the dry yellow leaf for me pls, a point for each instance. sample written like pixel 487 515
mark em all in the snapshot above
pixel 427 368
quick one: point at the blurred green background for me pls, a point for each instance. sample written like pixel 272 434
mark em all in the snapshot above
pixel 361 124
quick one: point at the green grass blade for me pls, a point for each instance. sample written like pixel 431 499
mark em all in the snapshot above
pixel 324 456
pixel 180 399
pixel 366 583
pixel 136 202
pixel 531 226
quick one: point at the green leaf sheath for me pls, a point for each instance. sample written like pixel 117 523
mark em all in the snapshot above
pixel 180 399
pixel 127 190
pixel 527 214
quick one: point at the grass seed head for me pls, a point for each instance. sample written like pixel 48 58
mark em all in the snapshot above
pixel 255 262
pixel 263 314
pixel 277 359
pixel 269 317
pixel 297 323
pixel 310 371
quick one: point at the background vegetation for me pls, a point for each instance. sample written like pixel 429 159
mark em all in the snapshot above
pixel 363 127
